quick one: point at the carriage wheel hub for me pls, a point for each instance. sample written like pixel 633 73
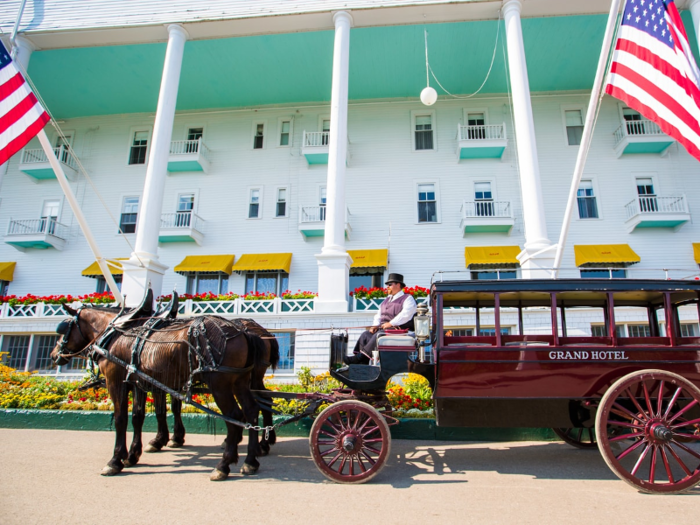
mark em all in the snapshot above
pixel 349 443
pixel 659 432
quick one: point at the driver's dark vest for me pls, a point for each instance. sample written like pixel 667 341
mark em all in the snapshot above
pixel 390 309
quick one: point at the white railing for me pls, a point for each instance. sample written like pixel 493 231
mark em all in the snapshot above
pixel 490 132
pixel 313 139
pixel 365 305
pixel 189 147
pixel 486 209
pixel 63 154
pixel 637 128
pixel 317 214
pixel 47 226
pixel 651 204
pixel 184 220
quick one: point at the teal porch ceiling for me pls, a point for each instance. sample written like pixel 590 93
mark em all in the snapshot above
pixel 385 62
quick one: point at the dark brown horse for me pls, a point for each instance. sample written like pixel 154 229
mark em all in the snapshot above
pixel 225 354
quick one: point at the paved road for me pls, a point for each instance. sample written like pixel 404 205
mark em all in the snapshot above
pixel 49 476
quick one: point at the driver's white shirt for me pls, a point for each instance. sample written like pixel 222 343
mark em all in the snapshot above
pixel 408 310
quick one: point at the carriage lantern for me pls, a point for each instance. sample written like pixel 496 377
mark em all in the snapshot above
pixel 422 327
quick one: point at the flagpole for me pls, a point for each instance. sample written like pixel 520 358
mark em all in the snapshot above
pixel 63 181
pixel 587 131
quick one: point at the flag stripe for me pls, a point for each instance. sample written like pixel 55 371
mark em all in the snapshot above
pixel 23 138
pixel 12 85
pixel 17 111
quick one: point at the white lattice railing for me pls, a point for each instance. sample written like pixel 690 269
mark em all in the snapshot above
pixel 489 132
pixel 313 139
pixel 189 147
pixel 48 226
pixel 637 128
pixel 646 205
pixel 182 220
pixel 364 305
pixel 38 156
pixel 486 209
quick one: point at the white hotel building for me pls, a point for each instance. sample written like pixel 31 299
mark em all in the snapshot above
pixel 269 145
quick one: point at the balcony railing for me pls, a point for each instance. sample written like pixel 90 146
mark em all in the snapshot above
pixel 189 147
pixel 490 132
pixel 644 205
pixel 486 209
pixel 48 226
pixel 312 214
pixel 314 139
pixel 181 220
pixel 637 128
pixel 38 156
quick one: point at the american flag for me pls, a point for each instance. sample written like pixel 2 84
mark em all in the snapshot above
pixel 653 70
pixel 21 115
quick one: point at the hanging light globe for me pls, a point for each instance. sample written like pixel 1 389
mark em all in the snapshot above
pixel 428 96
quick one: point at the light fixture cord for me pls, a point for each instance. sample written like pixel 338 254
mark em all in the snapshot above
pixel 427 65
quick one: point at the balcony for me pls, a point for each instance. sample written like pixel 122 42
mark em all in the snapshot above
pixel 35 163
pixel 312 221
pixel 481 142
pixel 656 212
pixel 487 217
pixel 315 146
pixel 188 155
pixel 182 226
pixel 36 233
pixel 640 136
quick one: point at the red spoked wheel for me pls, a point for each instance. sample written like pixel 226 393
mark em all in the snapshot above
pixel 648 428
pixel 350 442
pixel 583 438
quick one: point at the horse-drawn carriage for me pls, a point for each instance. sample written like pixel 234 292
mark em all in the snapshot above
pixel 634 395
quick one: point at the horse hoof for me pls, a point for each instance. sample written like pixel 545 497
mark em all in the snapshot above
pixel 264 449
pixel 248 470
pixel 129 462
pixel 174 444
pixel 110 471
pixel 217 475
pixel 151 448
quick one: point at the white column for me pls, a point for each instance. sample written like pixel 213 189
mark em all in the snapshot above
pixel 333 261
pixel 23 53
pixel 143 267
pixel 694 7
pixel 536 238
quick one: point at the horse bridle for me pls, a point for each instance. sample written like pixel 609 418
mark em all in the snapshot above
pixel 64 328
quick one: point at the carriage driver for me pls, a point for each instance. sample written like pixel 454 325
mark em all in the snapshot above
pixel 396 311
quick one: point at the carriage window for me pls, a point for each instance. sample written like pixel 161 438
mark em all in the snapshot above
pixel 286 341
pixel 207 282
pixel 130 210
pixel 44 345
pixel 16 348
pixel 139 147
pixel 266 282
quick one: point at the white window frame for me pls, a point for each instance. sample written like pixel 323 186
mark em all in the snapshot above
pixel 491 181
pixel 188 127
pixel 68 133
pixel 265 135
pixel 187 192
pixel 256 273
pixel 287 205
pixel 654 176
pixel 280 120
pixel 438 215
pixel 260 204
pixel 433 122
pixel 192 280
pixel 132 132
pixel 321 118
pixel 466 111
pixel 121 210
pixel 571 107
pixel 60 206
pixel 596 192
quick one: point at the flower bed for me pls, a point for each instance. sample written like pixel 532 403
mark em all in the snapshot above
pixel 92 298
pixel 377 293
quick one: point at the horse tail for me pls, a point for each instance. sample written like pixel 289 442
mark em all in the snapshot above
pixel 256 349
pixel 274 353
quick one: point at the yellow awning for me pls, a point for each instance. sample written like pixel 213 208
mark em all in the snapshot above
pixel 263 262
pixel 604 254
pixel 696 252
pixel 7 271
pixel 206 263
pixel 493 255
pixel 369 258
pixel 115 268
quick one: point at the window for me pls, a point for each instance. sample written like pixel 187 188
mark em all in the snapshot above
pixel 494 274
pixel 45 343
pixel 622 330
pixel 689 330
pixel 604 273
pixel 587 208
pixel 647 196
pixel 17 348
pixel 139 147
pixel 492 331
pixel 130 210
pixel 3 287
pixel 474 120
pixel 286 342
pixel 427 204
pixel 638 330
pixel 266 282
pixel 259 136
pixel 254 204
pixel 207 282
pixel 326 129
pixel 49 216
pixel 368 280
pixel 281 204
pixel 285 129
pixel 193 136
pixel 185 205
pixel 102 283
pixel 483 199
pixel 322 203
pixel 633 121
pixel 424 132
pixel 574 126
pixel 64 141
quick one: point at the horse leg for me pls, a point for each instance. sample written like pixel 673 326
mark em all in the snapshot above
pixel 251 410
pixel 179 428
pixel 228 406
pixel 119 393
pixel 162 436
pixel 138 415
pixel 258 384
